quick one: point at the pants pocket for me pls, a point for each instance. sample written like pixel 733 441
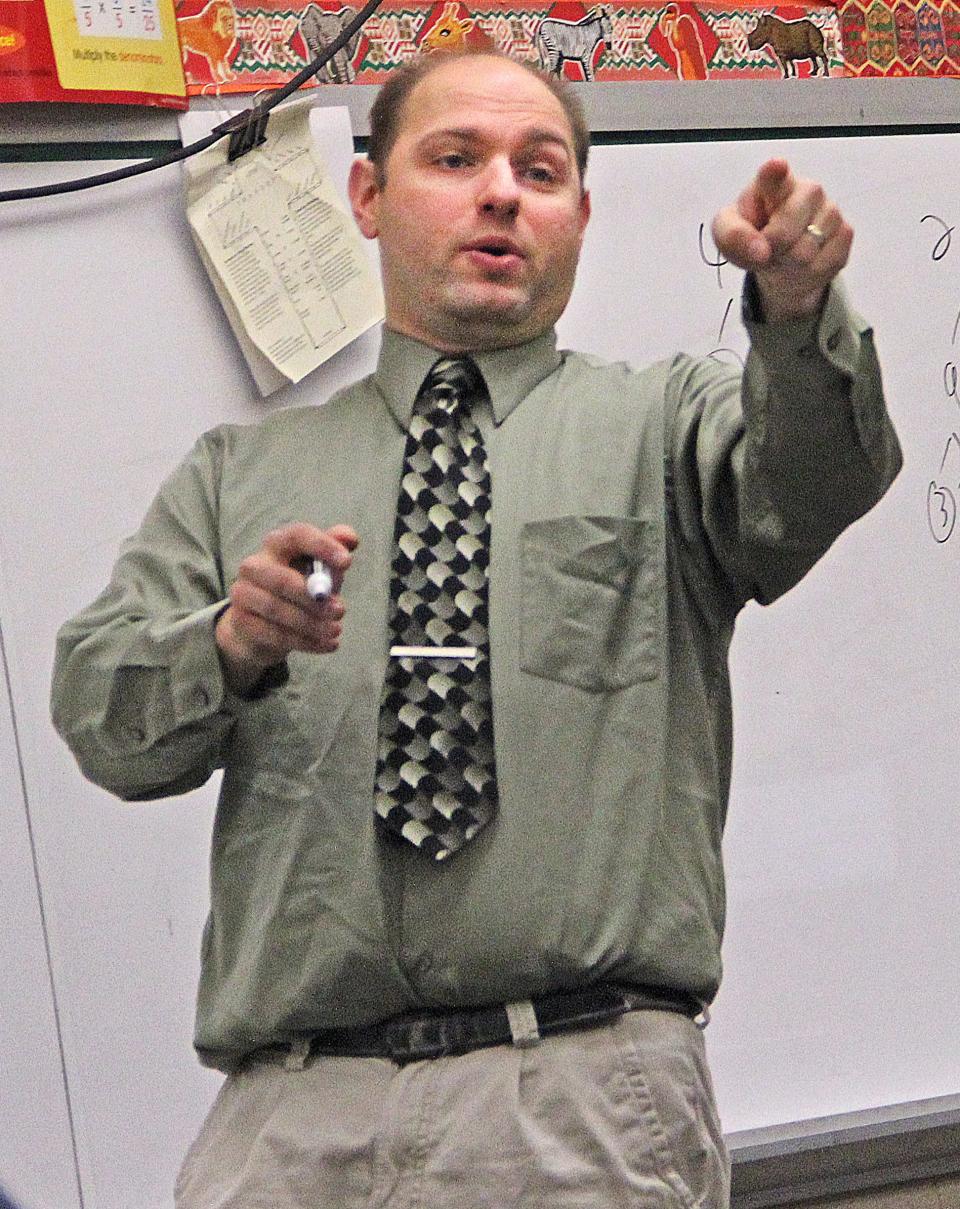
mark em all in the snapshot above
pixel 665 1068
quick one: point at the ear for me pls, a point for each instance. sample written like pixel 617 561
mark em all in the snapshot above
pixel 364 193
pixel 584 213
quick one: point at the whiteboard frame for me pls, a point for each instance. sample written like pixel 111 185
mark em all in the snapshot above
pixel 632 108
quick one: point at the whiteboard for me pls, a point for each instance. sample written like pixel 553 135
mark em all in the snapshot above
pixel 36 1154
pixel 842 953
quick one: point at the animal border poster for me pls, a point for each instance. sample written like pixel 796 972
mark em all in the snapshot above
pixel 124 51
pixel 245 45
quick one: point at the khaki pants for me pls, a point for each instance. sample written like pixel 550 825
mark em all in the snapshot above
pixel 606 1118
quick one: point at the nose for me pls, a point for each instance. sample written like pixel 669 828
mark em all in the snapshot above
pixel 499 192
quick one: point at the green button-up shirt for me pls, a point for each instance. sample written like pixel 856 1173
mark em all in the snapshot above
pixel 634 512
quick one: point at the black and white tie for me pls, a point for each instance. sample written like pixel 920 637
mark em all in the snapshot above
pixel 436 778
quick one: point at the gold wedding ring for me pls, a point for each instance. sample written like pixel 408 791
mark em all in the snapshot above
pixel 815 233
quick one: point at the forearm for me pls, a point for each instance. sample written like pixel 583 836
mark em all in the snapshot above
pixel 141 703
pixel 819 450
pixel 768 470
pixel 138 692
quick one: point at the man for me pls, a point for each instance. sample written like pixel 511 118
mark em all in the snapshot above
pixel 467 900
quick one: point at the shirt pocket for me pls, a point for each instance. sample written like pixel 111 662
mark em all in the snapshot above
pixel 591 601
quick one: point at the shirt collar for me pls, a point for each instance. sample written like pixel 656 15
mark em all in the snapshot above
pixel 510 373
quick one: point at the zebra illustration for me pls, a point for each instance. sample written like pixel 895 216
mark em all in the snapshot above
pixel 558 41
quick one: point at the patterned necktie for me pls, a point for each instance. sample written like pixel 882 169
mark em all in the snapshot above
pixel 436 779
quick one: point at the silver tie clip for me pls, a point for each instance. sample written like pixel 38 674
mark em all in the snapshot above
pixel 433 652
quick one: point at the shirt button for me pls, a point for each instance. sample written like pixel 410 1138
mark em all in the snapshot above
pixel 136 733
pixel 807 352
pixel 833 341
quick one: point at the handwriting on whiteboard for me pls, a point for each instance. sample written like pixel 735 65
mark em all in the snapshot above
pixel 942 490
pixel 721 351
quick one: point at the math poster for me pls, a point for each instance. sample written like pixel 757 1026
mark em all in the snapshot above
pixel 117 51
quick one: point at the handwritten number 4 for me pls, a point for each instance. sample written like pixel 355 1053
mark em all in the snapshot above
pixel 713 264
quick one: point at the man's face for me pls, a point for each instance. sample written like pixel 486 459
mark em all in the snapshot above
pixel 481 213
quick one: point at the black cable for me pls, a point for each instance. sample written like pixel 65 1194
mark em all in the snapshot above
pixel 254 115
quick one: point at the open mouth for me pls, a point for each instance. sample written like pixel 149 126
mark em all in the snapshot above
pixel 497 248
pixel 495 254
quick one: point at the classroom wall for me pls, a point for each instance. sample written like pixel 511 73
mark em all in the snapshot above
pixel 843 824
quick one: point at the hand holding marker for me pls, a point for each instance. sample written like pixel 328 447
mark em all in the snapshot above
pixel 319 581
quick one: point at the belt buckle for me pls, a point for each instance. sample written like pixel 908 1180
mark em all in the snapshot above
pixel 590 1008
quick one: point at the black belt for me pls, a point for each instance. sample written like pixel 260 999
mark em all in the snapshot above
pixel 440 1034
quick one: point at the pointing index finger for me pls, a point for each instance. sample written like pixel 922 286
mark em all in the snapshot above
pixel 740 230
pixel 773 185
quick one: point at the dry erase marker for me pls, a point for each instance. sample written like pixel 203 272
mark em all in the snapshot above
pixel 319 581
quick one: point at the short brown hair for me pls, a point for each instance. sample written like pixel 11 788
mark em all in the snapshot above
pixel 386 114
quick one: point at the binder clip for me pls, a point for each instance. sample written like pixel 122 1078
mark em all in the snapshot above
pixel 247 129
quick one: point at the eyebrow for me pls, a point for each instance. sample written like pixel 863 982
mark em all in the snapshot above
pixel 472 134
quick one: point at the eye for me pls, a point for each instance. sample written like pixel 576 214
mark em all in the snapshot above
pixel 541 173
pixel 452 160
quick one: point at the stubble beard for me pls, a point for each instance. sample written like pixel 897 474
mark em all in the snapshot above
pixel 475 316
pixel 459 315
pixel 470 316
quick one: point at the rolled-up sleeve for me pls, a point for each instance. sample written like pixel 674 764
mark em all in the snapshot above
pixel 767 468
pixel 138 692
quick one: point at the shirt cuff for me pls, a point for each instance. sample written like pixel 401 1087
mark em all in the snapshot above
pixel 187 652
pixel 833 335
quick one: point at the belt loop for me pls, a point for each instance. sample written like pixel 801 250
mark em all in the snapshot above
pixel 524 1026
pixel 296 1059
